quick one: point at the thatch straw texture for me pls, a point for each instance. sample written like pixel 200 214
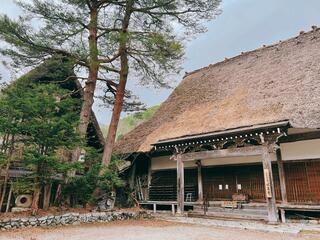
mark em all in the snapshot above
pixel 270 84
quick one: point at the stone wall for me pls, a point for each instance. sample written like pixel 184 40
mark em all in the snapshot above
pixel 69 218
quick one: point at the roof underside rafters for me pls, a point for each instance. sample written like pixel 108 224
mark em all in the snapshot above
pixel 240 137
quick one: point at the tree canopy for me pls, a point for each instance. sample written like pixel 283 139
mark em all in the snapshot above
pixel 41 118
pixel 112 41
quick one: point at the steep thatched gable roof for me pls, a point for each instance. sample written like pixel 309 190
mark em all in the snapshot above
pixel 59 69
pixel 270 84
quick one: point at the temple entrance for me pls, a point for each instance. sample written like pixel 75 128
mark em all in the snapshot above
pixel 221 182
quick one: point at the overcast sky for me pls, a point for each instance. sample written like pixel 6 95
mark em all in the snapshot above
pixel 243 25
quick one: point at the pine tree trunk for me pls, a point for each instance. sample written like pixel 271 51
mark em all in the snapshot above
pixel 9 198
pixel 124 70
pixel 116 113
pixel 6 177
pixel 35 200
pixel 90 84
pixel 4 186
pixel 46 196
pixel 4 143
pixel 88 95
pixel 57 197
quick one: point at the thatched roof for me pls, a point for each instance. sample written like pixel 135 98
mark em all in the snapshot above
pixel 60 70
pixel 270 84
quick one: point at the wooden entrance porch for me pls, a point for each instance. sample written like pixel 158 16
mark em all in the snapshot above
pixel 263 151
pixel 214 167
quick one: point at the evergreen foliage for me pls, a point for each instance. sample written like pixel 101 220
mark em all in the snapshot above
pixel 44 118
pixel 82 188
pixel 41 113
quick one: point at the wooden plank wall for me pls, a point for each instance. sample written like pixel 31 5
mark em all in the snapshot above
pixel 302 181
pixel 250 177
pixel 164 185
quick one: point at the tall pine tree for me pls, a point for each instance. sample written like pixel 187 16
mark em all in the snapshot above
pixel 111 40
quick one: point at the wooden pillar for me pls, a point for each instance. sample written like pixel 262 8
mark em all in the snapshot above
pixel 154 208
pixel 180 184
pixel 132 175
pixel 149 179
pixel 172 209
pixel 282 177
pixel 283 215
pixel 269 185
pixel 200 186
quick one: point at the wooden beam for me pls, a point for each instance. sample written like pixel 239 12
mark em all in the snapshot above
pixel 236 131
pixel 232 152
pixel 269 185
pixel 200 186
pixel 299 137
pixel 282 177
pixel 180 184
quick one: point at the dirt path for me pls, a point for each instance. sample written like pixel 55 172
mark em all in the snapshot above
pixel 146 230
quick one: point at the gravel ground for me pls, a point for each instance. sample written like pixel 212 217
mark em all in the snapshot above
pixel 149 229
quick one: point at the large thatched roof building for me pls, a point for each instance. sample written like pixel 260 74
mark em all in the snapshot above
pixel 270 84
pixel 245 130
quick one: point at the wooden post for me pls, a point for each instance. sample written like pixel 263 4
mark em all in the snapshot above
pixel 180 184
pixel 283 215
pixel 269 185
pixel 154 208
pixel 149 178
pixel 282 177
pixel 132 175
pixel 172 209
pixel 200 186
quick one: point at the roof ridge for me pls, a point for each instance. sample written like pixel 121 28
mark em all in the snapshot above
pixel 264 47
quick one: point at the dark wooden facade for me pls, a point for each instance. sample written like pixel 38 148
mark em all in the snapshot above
pixel 249 179
pixel 302 182
pixel 284 182
pixel 164 185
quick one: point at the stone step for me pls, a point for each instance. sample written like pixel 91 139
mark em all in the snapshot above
pixel 261 212
pixel 243 206
pixel 228 215
pixel 254 206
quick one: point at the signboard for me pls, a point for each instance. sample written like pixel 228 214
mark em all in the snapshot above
pixel 267 183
